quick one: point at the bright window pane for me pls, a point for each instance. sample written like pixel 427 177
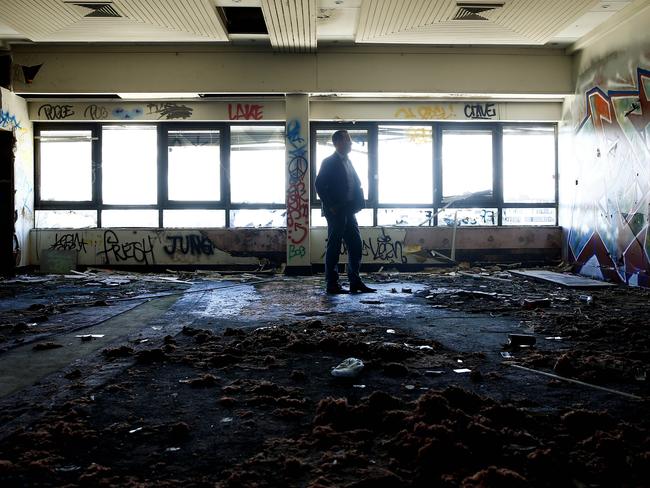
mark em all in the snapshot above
pixel 65 219
pixel 257 166
pixel 129 165
pixel 66 165
pixel 405 216
pixel 529 216
pixel 258 218
pixel 468 216
pixel 358 156
pixel 194 218
pixel 529 165
pixel 193 165
pixel 130 218
pixel 466 163
pixel 405 152
pixel 364 218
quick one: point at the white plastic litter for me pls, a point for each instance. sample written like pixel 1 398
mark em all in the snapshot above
pixel 349 368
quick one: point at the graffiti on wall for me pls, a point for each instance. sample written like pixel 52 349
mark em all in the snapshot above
pixel 169 110
pixel 381 245
pixel 139 247
pixel 245 111
pixel 297 196
pixel 610 195
pixel 8 121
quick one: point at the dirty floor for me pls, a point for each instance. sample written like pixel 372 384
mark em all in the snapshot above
pixel 118 379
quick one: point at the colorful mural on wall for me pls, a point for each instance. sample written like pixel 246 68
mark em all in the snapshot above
pixel 605 171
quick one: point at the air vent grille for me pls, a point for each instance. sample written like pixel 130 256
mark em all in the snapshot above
pixel 473 11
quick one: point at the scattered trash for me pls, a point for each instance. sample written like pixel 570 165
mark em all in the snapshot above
pixel 371 302
pixel 89 337
pixel 553 338
pixel 358 386
pixel 44 346
pixel 536 303
pixel 172 449
pixel 407 290
pixel 135 430
pixel 409 387
pixel 226 420
pixel 434 372
pixel 393 290
pixel 349 368
pixel 67 469
pixel 507 355
pixel 462 370
pixel 156 327
pixel 640 374
pixel 459 360
pixel 390 331
pixel 521 339
pixel 588 299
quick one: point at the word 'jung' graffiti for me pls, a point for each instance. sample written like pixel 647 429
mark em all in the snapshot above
pixel 115 251
pixel 297 198
pixel 480 111
pixel 56 112
pixel 194 244
pixel 170 110
pixel 245 111
pixel 69 242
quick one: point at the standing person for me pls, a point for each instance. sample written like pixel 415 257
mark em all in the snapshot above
pixel 339 189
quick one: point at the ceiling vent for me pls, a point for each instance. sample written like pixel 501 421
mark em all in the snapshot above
pixel 473 11
pixel 98 9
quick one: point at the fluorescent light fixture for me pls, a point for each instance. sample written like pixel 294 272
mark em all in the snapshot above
pixel 156 96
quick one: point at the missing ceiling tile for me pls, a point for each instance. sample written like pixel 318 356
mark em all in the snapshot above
pixel 243 20
pixel 98 9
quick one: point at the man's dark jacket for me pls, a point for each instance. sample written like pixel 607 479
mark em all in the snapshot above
pixel 332 188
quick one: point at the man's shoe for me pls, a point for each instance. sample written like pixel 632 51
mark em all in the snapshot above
pixel 361 288
pixel 336 290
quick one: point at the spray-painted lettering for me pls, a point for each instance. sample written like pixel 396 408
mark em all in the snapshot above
pixel 245 111
pixel 140 251
pixel 56 112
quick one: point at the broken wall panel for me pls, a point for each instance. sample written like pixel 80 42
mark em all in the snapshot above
pixel 412 245
pixel 219 247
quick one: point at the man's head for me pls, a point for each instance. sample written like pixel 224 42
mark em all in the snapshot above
pixel 342 142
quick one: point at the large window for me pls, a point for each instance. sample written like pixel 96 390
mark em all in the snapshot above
pixel 194 165
pixel 184 175
pixel 66 165
pixel 172 175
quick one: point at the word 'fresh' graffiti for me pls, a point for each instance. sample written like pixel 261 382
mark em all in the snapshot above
pixel 480 111
pixel 194 244
pixel 141 251
pixel 170 110
pixel 69 242
pixel 297 197
pixel 56 112
pixel 245 111
pixel 8 121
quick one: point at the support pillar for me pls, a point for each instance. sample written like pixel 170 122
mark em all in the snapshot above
pixel 297 184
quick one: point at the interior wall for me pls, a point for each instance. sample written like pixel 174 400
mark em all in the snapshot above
pixel 605 156
pixel 14 117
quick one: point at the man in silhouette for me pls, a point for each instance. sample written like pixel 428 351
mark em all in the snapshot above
pixel 339 189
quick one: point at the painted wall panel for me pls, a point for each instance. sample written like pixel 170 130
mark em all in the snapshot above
pixel 605 168
pixel 146 247
pixel 13 116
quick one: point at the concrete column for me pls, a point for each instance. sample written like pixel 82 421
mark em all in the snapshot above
pixel 297 182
